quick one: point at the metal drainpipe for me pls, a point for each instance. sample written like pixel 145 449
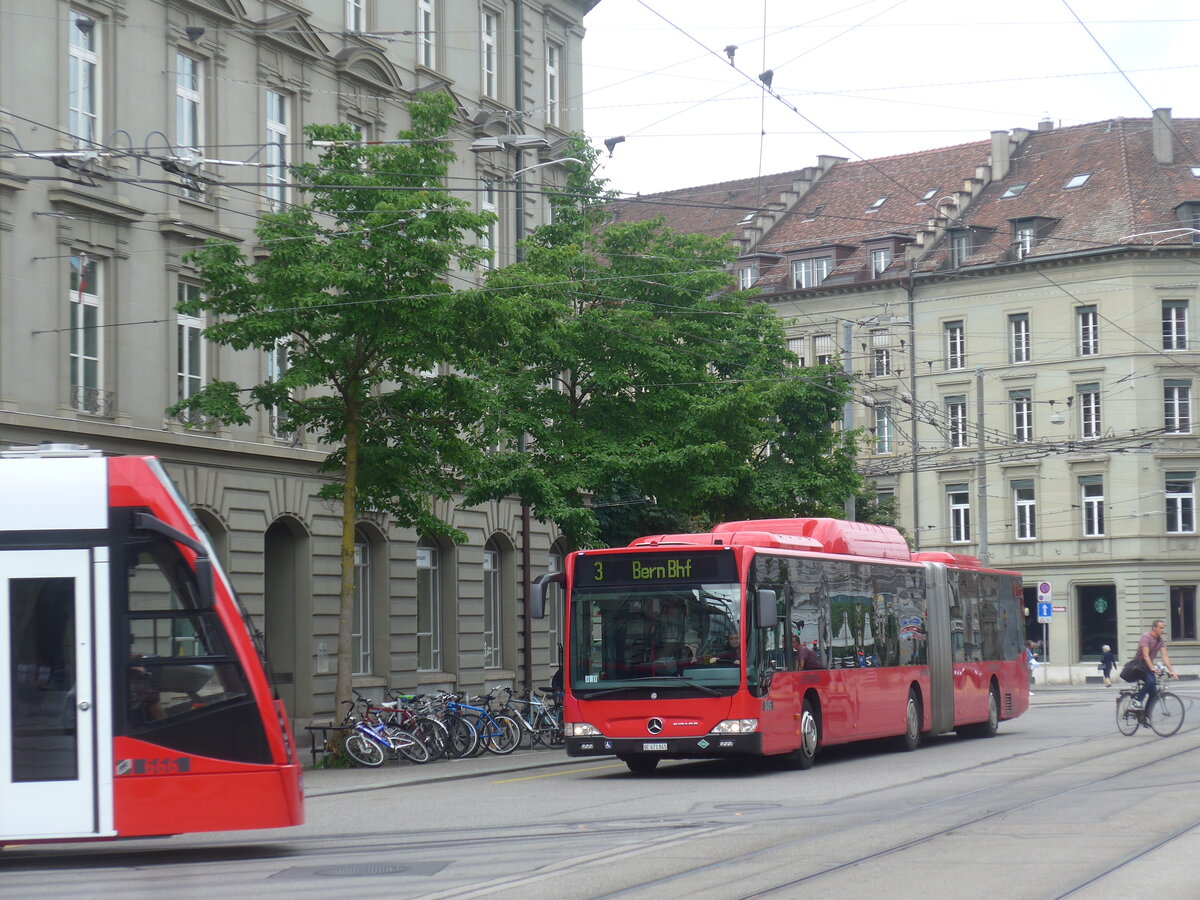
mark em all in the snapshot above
pixel 849 510
pixel 519 163
pixel 912 392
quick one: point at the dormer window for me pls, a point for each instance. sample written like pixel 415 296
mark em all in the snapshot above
pixel 1189 217
pixel 747 276
pixel 874 207
pixel 961 246
pixel 1077 181
pixel 809 273
pixel 1014 190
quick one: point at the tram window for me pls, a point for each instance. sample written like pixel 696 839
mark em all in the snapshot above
pixel 184 688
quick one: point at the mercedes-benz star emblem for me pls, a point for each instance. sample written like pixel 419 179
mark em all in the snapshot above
pixel 654 726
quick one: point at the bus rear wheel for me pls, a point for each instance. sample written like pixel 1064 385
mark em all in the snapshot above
pixel 911 739
pixel 641 765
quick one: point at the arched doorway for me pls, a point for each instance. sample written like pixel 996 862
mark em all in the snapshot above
pixel 287 604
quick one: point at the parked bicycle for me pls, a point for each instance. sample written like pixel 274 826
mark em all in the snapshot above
pixel 1163 713
pixel 371 740
pixel 498 733
pixel 539 716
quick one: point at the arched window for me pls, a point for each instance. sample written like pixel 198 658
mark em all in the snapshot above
pixel 429 607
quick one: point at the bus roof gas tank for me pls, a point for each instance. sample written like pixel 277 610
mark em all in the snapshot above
pixel 831 535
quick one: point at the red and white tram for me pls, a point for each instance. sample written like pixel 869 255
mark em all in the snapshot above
pixel 134 699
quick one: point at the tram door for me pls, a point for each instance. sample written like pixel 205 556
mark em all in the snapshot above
pixel 48 736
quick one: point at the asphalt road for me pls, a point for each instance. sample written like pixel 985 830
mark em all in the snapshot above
pixel 1059 804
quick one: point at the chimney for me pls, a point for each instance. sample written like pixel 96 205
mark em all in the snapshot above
pixel 1163 141
pixel 1001 151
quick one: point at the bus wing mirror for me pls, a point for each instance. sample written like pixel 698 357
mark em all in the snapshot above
pixel 204 582
pixel 768 613
pixel 537 593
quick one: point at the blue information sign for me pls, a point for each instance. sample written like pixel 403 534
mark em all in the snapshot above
pixel 1045 611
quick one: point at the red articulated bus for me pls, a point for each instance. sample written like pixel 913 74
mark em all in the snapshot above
pixel 778 637
pixel 134 699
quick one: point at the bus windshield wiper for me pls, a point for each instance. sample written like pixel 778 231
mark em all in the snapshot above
pixel 660 679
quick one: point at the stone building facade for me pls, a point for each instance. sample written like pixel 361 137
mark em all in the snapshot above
pixel 133 130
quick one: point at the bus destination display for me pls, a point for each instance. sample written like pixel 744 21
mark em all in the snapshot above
pixel 643 568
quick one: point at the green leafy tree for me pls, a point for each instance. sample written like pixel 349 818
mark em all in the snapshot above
pixel 349 287
pixel 641 375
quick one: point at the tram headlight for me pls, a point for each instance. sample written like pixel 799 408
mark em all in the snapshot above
pixel 736 726
pixel 581 729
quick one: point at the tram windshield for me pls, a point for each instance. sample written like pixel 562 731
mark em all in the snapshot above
pixel 674 637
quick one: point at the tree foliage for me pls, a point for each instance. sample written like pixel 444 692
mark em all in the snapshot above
pixel 350 287
pixel 642 376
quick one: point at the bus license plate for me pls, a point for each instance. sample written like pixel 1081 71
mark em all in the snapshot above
pixel 661 746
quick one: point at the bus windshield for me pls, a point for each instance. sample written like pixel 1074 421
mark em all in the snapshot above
pixel 658 636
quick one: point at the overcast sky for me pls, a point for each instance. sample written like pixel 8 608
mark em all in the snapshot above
pixel 864 78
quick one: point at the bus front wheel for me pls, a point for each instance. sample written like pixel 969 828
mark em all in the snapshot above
pixel 805 755
pixel 641 765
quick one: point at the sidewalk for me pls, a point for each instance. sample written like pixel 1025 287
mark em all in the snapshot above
pixel 321 782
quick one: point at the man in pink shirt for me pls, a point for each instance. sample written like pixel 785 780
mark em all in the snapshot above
pixel 1150 646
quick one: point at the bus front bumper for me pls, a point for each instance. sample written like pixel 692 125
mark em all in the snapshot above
pixel 703 746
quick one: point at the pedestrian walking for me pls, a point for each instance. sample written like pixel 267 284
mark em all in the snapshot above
pixel 1108 662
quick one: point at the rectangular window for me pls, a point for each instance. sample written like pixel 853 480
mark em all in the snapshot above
pixel 1088 323
pixel 360 632
pixel 823 349
pixel 1024 511
pixel 553 83
pixel 1090 423
pixel 1183 612
pixel 489 203
pixel 959 499
pixel 808 273
pixel 83 80
pixel 1091 488
pixel 276 152
pixel 956 420
pixel 1024 239
pixel 747 276
pixel 1181 502
pixel 1175 324
pixel 493 615
pixel 956 345
pixel 356 15
pixel 429 610
pixel 880 260
pixel 189 349
pixel 426 34
pixel 796 346
pixel 87 318
pixel 277 365
pixel 881 352
pixel 1018 338
pixel 883 428
pixel 1022 412
pixel 188 110
pixel 488 52
pixel 960 248
pixel 1177 406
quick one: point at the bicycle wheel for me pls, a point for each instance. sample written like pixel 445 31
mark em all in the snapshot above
pixel 363 750
pixel 433 734
pixel 1166 715
pixel 503 735
pixel 1128 718
pixel 462 736
pixel 408 745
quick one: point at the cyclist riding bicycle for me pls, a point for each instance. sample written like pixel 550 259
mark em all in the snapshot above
pixel 1150 646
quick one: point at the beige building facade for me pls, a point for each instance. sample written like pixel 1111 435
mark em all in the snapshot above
pixel 133 130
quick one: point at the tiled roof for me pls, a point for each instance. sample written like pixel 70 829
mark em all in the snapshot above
pixel 712 209
pixel 1127 192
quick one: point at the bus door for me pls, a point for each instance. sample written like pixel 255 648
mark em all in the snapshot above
pixel 49 785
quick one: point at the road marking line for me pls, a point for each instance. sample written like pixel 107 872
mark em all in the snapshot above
pixel 556 774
